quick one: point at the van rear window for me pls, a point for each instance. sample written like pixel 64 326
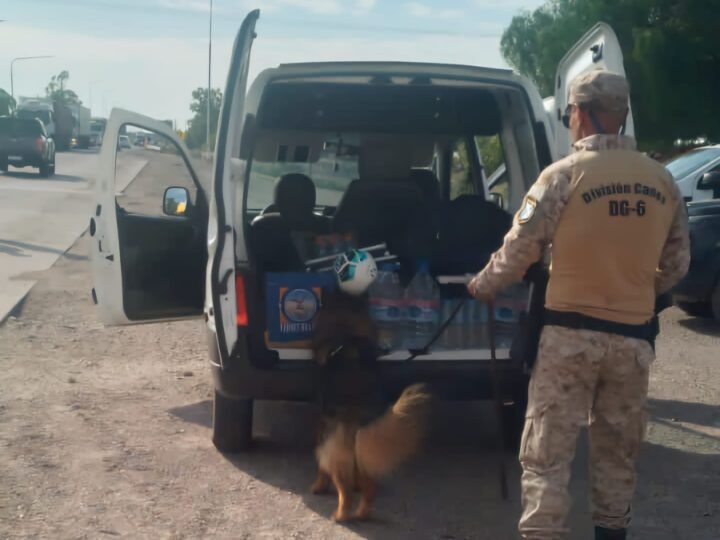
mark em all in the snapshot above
pixel 331 173
pixel 20 128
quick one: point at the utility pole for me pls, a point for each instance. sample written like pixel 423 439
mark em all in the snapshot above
pixel 12 62
pixel 209 88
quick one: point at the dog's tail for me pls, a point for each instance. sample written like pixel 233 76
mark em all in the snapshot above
pixel 388 441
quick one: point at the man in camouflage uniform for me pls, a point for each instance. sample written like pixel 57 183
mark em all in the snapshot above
pixel 617 227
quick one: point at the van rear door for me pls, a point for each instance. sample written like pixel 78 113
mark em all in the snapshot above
pixel 598 48
pixel 221 299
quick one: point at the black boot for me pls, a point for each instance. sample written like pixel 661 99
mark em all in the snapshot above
pixel 602 533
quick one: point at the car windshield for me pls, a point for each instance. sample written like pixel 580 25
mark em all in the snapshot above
pixel 683 165
pixel 19 128
pixel 43 116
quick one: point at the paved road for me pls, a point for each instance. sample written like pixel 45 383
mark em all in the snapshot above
pixel 41 218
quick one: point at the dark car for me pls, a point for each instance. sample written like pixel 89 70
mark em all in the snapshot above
pixel 25 143
pixel 698 294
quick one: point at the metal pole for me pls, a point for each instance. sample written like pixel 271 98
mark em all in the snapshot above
pixel 207 140
pixel 12 63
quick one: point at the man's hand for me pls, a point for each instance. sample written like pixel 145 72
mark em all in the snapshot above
pixel 476 290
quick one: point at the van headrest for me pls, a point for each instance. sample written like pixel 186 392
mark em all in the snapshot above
pixel 427 182
pixel 382 160
pixel 295 196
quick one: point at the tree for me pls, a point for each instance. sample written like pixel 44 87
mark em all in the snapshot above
pixel 196 135
pixel 57 91
pixel 670 53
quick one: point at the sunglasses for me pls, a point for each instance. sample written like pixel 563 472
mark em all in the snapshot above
pixel 566 116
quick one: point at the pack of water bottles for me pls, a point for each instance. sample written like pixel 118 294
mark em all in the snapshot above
pixel 409 317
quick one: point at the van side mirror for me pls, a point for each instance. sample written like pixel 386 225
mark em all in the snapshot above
pixel 710 180
pixel 175 201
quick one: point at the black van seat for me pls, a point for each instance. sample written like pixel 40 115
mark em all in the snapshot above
pixel 423 236
pixel 378 211
pixel 470 230
pixel 271 232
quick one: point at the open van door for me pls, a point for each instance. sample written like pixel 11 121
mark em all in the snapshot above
pixel 598 48
pixel 149 226
pixel 226 242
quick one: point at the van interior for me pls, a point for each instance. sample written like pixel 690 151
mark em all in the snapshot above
pixel 391 161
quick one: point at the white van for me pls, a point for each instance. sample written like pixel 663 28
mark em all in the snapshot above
pixel 347 140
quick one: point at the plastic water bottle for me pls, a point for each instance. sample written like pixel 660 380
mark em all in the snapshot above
pixel 508 306
pixel 386 306
pixel 422 301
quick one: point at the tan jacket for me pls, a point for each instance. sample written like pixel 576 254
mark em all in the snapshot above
pixel 617 228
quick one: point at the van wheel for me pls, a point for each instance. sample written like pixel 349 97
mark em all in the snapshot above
pixel 514 418
pixel 52 169
pixel 716 302
pixel 232 423
pixel 44 170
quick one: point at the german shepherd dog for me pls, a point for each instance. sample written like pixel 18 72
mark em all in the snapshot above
pixel 358 442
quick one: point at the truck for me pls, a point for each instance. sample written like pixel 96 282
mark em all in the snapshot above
pixel 37 107
pixel 81 128
pixel 97 129
pixel 63 122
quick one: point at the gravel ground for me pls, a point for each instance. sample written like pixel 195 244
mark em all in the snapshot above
pixel 104 433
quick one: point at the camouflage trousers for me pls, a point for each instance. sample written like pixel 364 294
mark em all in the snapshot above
pixel 582 377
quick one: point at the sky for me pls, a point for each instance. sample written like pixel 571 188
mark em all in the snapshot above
pixel 149 55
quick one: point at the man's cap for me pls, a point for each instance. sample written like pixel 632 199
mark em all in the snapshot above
pixel 604 90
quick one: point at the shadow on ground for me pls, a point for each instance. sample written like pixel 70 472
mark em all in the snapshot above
pixel 681 411
pixel 15 248
pixel 452 490
pixel 23 175
pixel 702 325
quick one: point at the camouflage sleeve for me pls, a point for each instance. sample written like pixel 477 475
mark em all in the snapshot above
pixel 675 258
pixel 532 230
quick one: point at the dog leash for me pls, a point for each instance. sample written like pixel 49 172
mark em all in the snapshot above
pixel 498 400
pixel 495 375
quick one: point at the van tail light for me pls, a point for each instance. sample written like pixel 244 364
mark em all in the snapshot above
pixel 240 300
pixel 40 143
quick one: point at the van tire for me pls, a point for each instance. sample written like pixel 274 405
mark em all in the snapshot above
pixel 44 170
pixel 232 421
pixel 715 302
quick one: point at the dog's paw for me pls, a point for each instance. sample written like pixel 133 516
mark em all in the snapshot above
pixel 319 488
pixel 362 514
pixel 341 515
pixel 321 484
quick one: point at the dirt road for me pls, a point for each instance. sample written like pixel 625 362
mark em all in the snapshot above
pixel 104 433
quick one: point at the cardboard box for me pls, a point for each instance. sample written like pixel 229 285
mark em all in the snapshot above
pixel 293 300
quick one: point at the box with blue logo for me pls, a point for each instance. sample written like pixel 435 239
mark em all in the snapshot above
pixel 293 300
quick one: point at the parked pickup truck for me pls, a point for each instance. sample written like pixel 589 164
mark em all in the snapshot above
pixel 25 143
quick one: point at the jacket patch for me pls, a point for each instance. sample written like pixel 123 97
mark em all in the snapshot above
pixel 528 209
